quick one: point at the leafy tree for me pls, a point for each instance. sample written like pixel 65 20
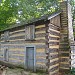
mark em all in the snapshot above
pixel 17 11
pixel 35 8
pixel 72 2
pixel 8 11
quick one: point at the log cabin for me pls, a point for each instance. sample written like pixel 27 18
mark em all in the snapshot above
pixel 42 44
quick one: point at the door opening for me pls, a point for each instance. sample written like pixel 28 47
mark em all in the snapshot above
pixel 30 58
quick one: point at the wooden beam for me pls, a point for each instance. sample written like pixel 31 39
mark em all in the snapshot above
pixel 38 32
pixel 64 62
pixel 52 66
pixel 17 55
pixel 53 40
pixel 40 50
pixel 64 67
pixel 16 35
pixel 40 57
pixel 55 53
pixel 54 46
pixel 15 60
pixel 56 59
pixel 39 26
pixel 16 49
pixel 17 31
pixel 54 36
pixel 16 40
pixel 54 30
pixel 40 63
pixel 40 38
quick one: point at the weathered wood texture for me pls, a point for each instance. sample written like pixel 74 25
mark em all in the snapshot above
pixel 64 52
pixel 53 40
pixel 46 40
pixel 16 46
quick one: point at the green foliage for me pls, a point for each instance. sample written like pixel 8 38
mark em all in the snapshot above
pixel 7 13
pixel 72 2
pixel 74 30
pixel 18 11
pixel 12 11
pixel 71 72
pixel 36 8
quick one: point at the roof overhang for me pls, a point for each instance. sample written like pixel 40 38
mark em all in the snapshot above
pixel 53 15
pixel 46 17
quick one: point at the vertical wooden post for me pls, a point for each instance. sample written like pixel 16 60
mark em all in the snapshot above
pixel 47 47
pixel 64 39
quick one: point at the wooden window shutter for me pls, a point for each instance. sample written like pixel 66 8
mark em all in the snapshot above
pixel 32 30
pixel 6 54
pixel 29 32
pixel 6 35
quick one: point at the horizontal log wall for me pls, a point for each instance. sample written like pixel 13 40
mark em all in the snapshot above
pixel 53 42
pixel 40 33
pixel 16 46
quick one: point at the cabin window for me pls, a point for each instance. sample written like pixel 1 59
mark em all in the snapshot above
pixel 6 35
pixel 6 54
pixel 29 32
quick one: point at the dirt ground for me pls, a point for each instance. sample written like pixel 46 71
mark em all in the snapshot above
pixel 18 72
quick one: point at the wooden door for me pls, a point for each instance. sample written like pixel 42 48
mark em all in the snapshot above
pixel 30 58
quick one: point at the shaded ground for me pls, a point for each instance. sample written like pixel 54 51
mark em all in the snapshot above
pixel 18 71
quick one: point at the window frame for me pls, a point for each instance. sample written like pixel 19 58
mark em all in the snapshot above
pixel 28 28
pixel 26 46
pixel 6 36
pixel 6 54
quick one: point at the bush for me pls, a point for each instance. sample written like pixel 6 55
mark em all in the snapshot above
pixel 72 72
